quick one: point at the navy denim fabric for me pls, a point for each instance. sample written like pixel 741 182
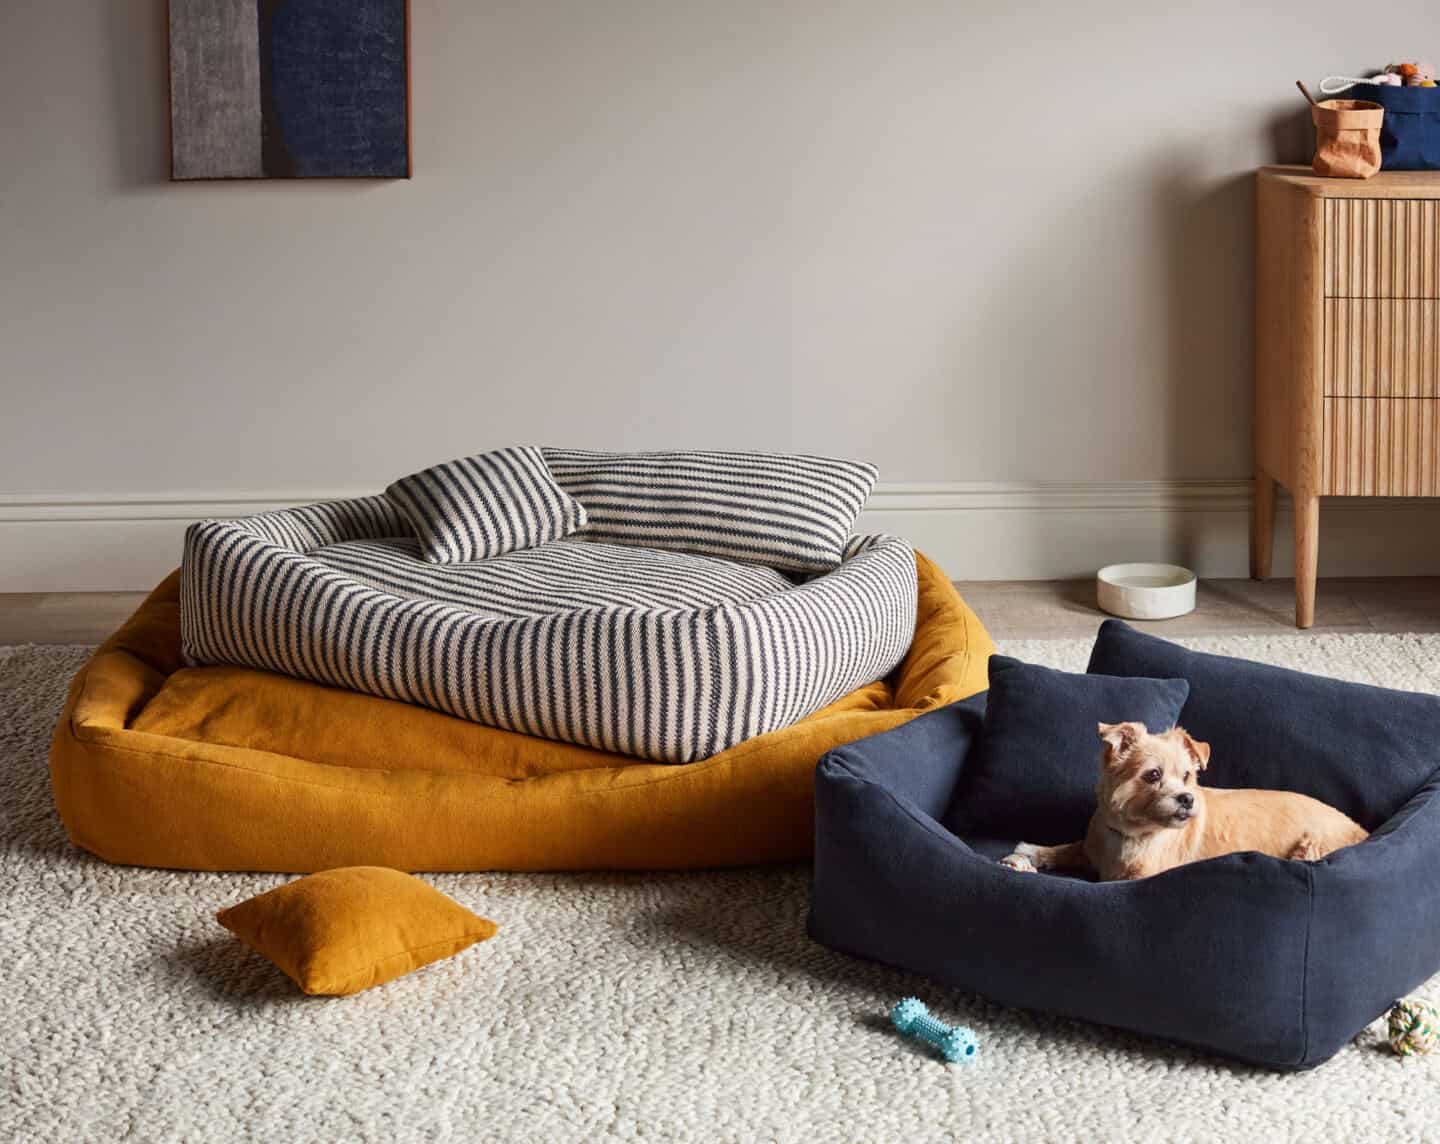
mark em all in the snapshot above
pixel 1034 774
pixel 1362 749
pixel 1410 133
pixel 1274 962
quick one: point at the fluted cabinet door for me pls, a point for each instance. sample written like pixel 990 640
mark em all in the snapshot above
pixel 1382 248
pixel 1381 448
pixel 1381 348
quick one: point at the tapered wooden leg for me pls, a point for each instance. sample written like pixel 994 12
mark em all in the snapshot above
pixel 1307 556
pixel 1262 526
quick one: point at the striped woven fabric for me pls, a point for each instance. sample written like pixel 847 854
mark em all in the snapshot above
pixel 485 505
pixel 661 659
pixel 556 577
pixel 789 512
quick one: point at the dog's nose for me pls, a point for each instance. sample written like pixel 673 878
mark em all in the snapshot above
pixel 1187 800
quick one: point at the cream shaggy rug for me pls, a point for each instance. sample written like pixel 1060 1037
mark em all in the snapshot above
pixel 661 1007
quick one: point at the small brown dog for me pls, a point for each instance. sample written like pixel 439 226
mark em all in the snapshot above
pixel 1153 814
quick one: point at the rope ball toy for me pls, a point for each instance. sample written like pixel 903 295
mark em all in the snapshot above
pixel 1414 1027
pixel 955 1042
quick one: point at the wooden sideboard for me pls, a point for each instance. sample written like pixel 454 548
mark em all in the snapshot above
pixel 1347 350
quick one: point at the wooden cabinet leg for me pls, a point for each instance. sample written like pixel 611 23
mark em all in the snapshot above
pixel 1262 526
pixel 1307 556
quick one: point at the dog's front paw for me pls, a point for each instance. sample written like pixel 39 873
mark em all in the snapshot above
pixel 1019 862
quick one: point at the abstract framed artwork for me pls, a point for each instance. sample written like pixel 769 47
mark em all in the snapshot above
pixel 289 89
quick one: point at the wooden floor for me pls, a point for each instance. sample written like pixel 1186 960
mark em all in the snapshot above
pixel 63 617
pixel 1040 609
pixel 1014 609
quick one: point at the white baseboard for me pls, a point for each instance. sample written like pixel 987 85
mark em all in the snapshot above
pixel 113 542
pixel 1053 531
pixel 977 531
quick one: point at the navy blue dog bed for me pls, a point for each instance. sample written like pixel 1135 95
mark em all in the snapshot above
pixel 1279 963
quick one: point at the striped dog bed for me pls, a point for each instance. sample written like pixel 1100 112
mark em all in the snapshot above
pixel 664 655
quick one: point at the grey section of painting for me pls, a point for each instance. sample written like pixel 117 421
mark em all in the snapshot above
pixel 215 89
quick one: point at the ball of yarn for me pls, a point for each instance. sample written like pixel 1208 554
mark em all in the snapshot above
pixel 1414 1027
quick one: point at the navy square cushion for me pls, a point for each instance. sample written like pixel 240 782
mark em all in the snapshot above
pixel 1036 766
pixel 1362 749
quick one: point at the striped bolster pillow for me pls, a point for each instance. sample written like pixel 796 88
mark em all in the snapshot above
pixel 485 505
pixel 792 513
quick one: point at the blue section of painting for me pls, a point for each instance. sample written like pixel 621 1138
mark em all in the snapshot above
pixel 333 88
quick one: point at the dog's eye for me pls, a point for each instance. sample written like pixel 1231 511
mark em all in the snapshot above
pixel 1188 775
pixel 1151 776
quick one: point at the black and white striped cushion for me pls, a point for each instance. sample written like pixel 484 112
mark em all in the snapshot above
pixel 785 511
pixel 486 505
pixel 657 655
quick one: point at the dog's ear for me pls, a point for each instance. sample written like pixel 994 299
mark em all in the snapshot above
pixel 1119 739
pixel 1199 751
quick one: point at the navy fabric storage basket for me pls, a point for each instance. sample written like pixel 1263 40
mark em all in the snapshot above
pixel 1410 135
pixel 1274 962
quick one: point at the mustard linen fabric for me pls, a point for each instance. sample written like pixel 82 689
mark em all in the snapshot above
pixel 349 929
pixel 226 768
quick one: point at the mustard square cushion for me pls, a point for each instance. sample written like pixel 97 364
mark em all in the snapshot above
pixel 344 930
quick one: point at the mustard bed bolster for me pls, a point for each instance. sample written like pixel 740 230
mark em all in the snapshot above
pixel 227 768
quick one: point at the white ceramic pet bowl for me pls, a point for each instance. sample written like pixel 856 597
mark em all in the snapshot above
pixel 1145 591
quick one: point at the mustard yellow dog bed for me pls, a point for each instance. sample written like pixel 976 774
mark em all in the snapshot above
pixel 225 768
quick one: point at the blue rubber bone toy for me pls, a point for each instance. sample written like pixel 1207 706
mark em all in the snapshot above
pixel 955 1043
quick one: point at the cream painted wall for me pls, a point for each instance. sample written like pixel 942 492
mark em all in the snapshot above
pixel 973 242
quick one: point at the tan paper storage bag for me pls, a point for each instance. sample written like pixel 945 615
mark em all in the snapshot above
pixel 1347 137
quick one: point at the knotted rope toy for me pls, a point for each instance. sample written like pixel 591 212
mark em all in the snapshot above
pixel 1414 1027
pixel 956 1043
